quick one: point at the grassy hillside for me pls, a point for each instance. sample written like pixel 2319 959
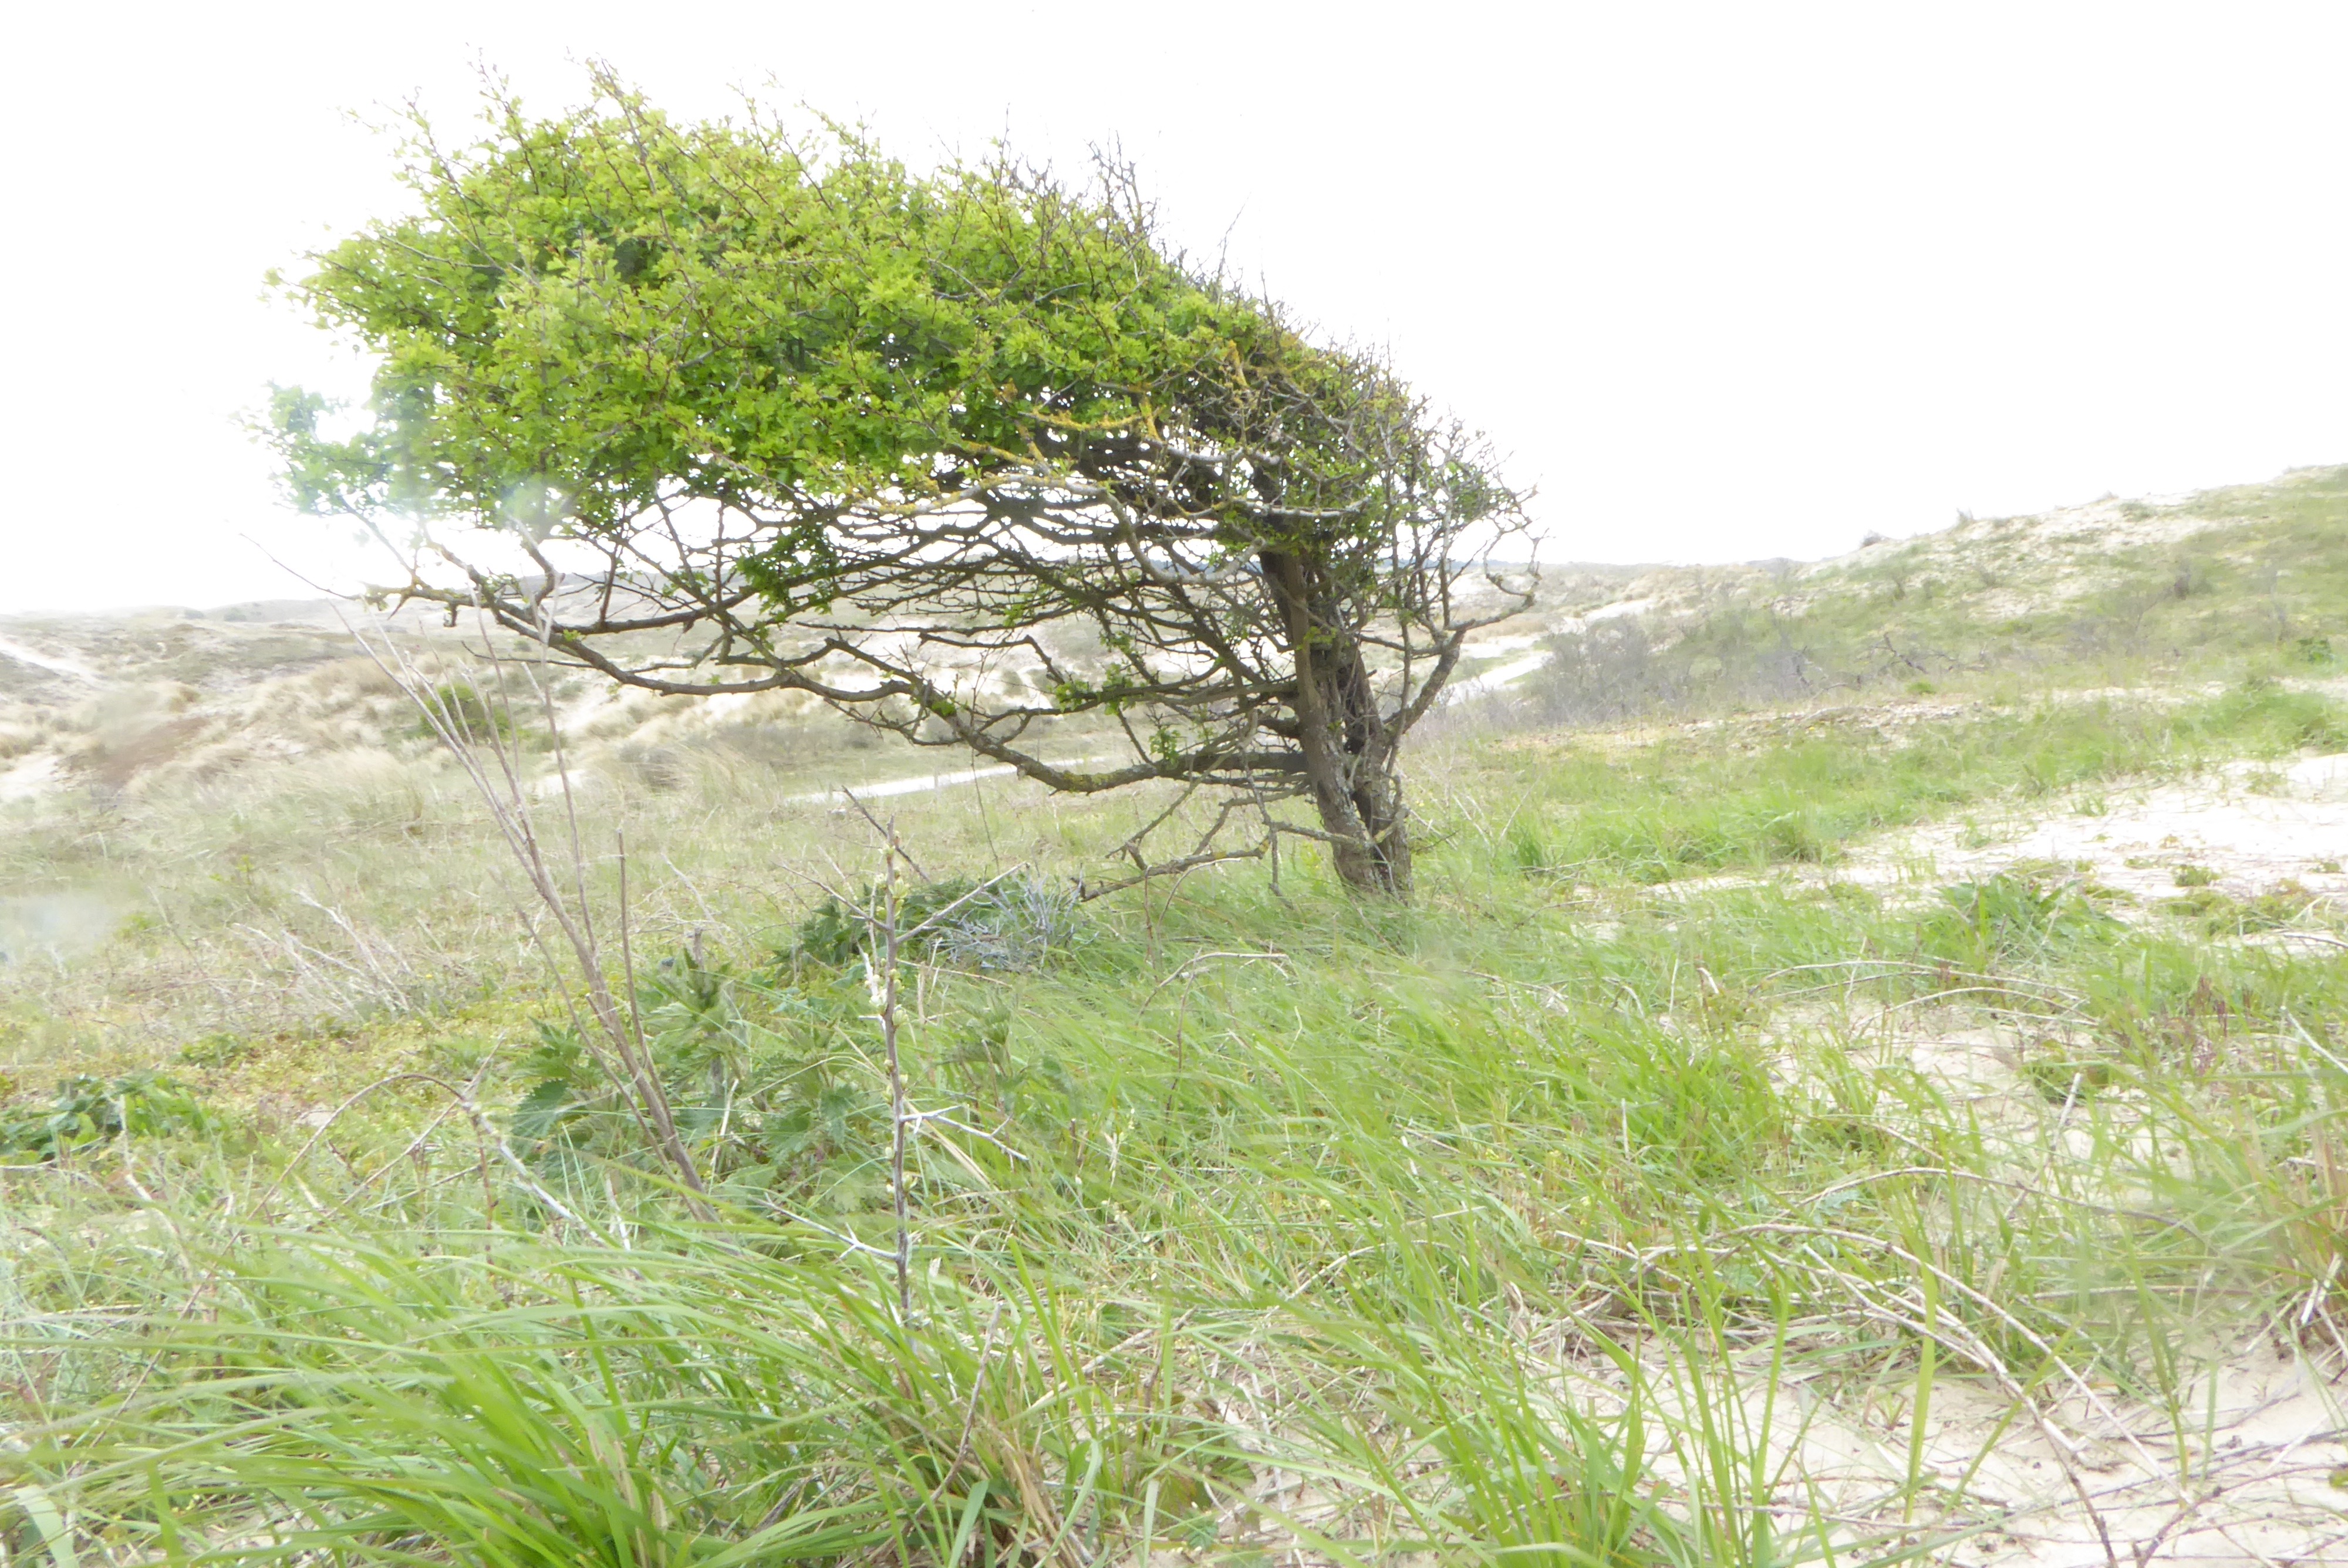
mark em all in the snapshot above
pixel 1753 1147
pixel 2203 588
pixel 2194 588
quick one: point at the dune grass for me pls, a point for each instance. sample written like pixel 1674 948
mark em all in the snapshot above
pixel 1247 1219
pixel 2140 595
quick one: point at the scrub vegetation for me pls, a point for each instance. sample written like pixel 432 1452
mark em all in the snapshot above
pixel 1670 1183
pixel 2184 592
pixel 717 409
pixel 1859 1075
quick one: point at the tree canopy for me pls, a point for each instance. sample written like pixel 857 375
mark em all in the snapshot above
pixel 958 452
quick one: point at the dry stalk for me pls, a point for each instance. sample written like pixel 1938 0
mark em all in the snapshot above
pixel 882 985
pixel 492 761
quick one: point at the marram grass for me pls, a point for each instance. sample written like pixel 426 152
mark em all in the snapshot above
pixel 1250 1221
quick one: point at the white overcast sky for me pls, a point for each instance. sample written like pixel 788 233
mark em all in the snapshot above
pixel 1727 281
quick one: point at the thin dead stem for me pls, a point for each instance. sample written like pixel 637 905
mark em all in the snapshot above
pixel 491 760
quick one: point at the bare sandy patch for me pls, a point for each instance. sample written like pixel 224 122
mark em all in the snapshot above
pixel 2244 830
pixel 2239 1473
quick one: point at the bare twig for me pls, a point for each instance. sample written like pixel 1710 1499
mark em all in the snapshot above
pixel 883 987
pixel 492 761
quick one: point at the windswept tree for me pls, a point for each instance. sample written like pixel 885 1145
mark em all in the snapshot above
pixel 714 409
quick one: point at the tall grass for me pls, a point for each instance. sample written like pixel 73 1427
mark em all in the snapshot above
pixel 1254 1221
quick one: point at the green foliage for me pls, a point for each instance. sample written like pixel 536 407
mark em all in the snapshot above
pixel 1011 923
pixel 758 1071
pixel 1530 1476
pixel 1706 1109
pixel 835 933
pixel 719 299
pixel 2268 719
pixel 85 1111
pixel 838 933
pixel 2063 1076
pixel 217 1050
pixel 2284 903
pixel 973 406
pixel 464 709
pixel 1015 924
pixel 592 315
pixel 2000 920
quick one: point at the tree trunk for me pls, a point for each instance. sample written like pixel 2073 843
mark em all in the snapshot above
pixel 1349 757
pixel 1377 798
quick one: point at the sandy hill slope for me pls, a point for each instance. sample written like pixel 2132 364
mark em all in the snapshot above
pixel 131 701
pixel 104 701
pixel 2177 588
pixel 2267 560
pixel 2280 548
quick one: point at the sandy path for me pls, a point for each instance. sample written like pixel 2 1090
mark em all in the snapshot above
pixel 56 663
pixel 879 789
